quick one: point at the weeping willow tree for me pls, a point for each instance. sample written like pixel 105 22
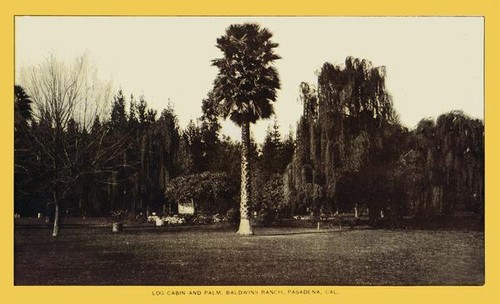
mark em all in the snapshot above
pixel 446 165
pixel 346 122
pixel 425 159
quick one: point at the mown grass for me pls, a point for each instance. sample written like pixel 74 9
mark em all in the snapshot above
pixel 274 256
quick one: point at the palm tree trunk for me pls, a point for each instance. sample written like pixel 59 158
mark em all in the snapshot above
pixel 246 194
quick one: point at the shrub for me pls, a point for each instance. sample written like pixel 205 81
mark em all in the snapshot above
pixel 202 219
pixel 266 217
pixel 174 220
pixel 217 218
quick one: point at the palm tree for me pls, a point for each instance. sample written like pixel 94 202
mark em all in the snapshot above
pixel 244 91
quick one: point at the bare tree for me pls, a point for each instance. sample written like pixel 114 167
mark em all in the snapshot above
pixel 62 91
pixel 68 96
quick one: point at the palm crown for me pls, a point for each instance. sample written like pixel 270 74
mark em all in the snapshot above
pixel 246 84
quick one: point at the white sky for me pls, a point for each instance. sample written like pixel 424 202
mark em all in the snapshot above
pixel 434 64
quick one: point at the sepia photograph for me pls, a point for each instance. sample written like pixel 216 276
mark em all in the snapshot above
pixel 235 151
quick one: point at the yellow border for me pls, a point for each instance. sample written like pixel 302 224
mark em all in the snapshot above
pixel 490 9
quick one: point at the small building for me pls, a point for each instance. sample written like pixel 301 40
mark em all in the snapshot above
pixel 186 207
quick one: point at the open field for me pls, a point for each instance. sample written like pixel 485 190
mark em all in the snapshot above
pixel 274 256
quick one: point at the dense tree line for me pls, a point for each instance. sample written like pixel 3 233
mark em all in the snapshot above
pixel 126 158
pixel 79 150
pixel 121 162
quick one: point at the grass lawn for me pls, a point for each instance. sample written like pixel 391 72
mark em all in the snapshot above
pixel 274 256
